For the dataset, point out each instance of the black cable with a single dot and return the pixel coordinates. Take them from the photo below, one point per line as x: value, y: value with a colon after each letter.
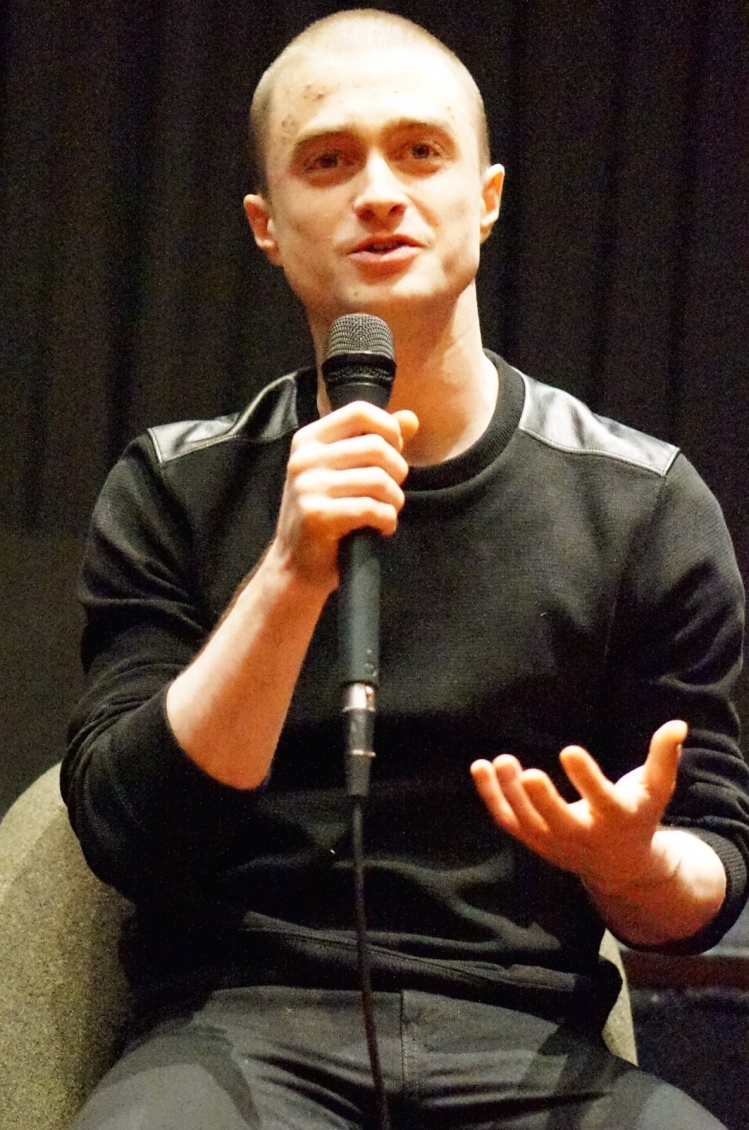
x: 365, y: 967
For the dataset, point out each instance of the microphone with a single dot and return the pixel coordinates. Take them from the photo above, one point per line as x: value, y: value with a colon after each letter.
x: 359, y: 365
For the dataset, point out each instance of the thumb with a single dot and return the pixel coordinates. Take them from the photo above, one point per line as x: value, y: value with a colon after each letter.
x: 408, y: 422
x: 662, y: 761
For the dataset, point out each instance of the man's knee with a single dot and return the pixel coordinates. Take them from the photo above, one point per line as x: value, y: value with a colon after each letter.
x: 642, y: 1102
x: 185, y: 1080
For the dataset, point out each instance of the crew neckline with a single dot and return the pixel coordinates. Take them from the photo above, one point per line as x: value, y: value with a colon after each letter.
x: 471, y: 462
x: 490, y: 444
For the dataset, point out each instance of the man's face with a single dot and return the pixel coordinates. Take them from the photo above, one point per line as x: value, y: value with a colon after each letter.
x: 376, y: 199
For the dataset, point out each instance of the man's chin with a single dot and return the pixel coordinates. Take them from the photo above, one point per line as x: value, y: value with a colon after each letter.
x: 394, y: 302
x: 405, y: 306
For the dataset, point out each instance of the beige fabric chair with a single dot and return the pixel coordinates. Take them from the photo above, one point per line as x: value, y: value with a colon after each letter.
x: 64, y: 1000
x: 619, y: 1032
x: 63, y: 997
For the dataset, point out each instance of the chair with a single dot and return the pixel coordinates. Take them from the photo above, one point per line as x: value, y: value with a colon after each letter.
x: 64, y: 999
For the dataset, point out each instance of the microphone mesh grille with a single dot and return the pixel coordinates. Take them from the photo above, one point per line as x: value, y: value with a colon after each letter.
x: 360, y: 333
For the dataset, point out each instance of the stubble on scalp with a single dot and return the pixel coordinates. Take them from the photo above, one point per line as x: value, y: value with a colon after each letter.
x: 351, y: 31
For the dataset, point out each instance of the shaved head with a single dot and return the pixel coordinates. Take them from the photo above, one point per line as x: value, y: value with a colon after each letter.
x: 351, y: 31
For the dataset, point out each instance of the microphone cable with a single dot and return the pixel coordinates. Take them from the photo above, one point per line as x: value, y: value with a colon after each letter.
x: 365, y: 965
x: 359, y: 716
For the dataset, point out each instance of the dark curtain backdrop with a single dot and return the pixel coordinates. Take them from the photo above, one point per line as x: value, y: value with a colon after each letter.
x: 132, y: 293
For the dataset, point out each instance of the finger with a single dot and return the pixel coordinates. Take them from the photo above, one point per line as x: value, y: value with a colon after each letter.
x: 487, y: 785
x: 662, y: 762
x: 587, y: 777
x: 550, y: 805
x: 333, y: 518
x: 356, y: 482
x: 369, y: 450
x: 511, y: 781
x: 357, y: 418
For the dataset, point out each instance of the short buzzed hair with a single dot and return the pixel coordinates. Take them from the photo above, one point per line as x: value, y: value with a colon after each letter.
x: 372, y: 28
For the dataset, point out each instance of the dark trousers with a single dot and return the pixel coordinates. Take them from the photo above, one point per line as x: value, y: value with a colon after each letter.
x: 273, y: 1058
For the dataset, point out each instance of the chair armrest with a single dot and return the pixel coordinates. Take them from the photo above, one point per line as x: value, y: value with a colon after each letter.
x: 619, y: 1031
x: 64, y: 1000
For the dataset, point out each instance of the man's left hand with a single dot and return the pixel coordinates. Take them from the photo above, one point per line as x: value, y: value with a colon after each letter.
x: 606, y: 837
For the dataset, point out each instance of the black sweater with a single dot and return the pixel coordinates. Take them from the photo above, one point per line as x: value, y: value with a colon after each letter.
x: 564, y: 580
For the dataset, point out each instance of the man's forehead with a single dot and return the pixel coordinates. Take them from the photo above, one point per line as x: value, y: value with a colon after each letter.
x: 334, y: 88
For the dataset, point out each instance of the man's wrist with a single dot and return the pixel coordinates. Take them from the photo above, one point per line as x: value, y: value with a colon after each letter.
x: 674, y: 897
x: 657, y: 868
x: 277, y: 582
x: 280, y: 572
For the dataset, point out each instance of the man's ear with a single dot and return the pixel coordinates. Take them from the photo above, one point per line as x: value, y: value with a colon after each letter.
x: 491, y: 198
x: 260, y: 219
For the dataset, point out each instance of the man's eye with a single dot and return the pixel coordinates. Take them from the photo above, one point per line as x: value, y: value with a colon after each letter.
x: 330, y: 159
x: 422, y: 150
x: 425, y: 156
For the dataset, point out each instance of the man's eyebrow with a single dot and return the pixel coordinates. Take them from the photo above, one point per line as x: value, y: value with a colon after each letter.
x: 344, y: 128
x: 438, y: 125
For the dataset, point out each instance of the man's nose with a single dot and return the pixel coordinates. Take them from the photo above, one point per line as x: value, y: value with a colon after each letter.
x: 381, y: 194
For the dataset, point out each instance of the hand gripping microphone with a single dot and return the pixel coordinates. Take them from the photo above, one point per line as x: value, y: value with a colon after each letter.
x: 359, y: 365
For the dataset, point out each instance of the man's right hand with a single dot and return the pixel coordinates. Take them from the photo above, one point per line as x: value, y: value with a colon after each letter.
x: 344, y: 473
x: 228, y: 707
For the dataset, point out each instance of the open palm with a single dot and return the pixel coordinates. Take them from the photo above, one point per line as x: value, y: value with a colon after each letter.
x: 606, y: 836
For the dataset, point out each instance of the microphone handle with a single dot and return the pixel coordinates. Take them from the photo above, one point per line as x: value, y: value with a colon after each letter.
x: 350, y: 377
x: 359, y: 607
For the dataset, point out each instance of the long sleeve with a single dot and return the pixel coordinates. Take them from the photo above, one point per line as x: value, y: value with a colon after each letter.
x: 142, y: 809
x: 676, y: 653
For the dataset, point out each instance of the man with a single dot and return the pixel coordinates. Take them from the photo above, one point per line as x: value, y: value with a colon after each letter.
x: 548, y: 577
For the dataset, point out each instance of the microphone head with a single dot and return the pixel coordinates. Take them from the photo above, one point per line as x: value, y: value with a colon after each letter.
x: 360, y: 333
x: 359, y: 361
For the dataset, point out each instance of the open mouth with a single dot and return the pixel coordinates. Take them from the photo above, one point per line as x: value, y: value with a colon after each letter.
x: 384, y: 246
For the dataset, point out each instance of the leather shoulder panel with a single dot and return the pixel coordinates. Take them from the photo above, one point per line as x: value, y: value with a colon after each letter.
x: 561, y: 421
x: 269, y: 416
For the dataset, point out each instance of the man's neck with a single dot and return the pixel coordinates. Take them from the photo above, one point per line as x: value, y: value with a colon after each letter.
x: 445, y: 377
